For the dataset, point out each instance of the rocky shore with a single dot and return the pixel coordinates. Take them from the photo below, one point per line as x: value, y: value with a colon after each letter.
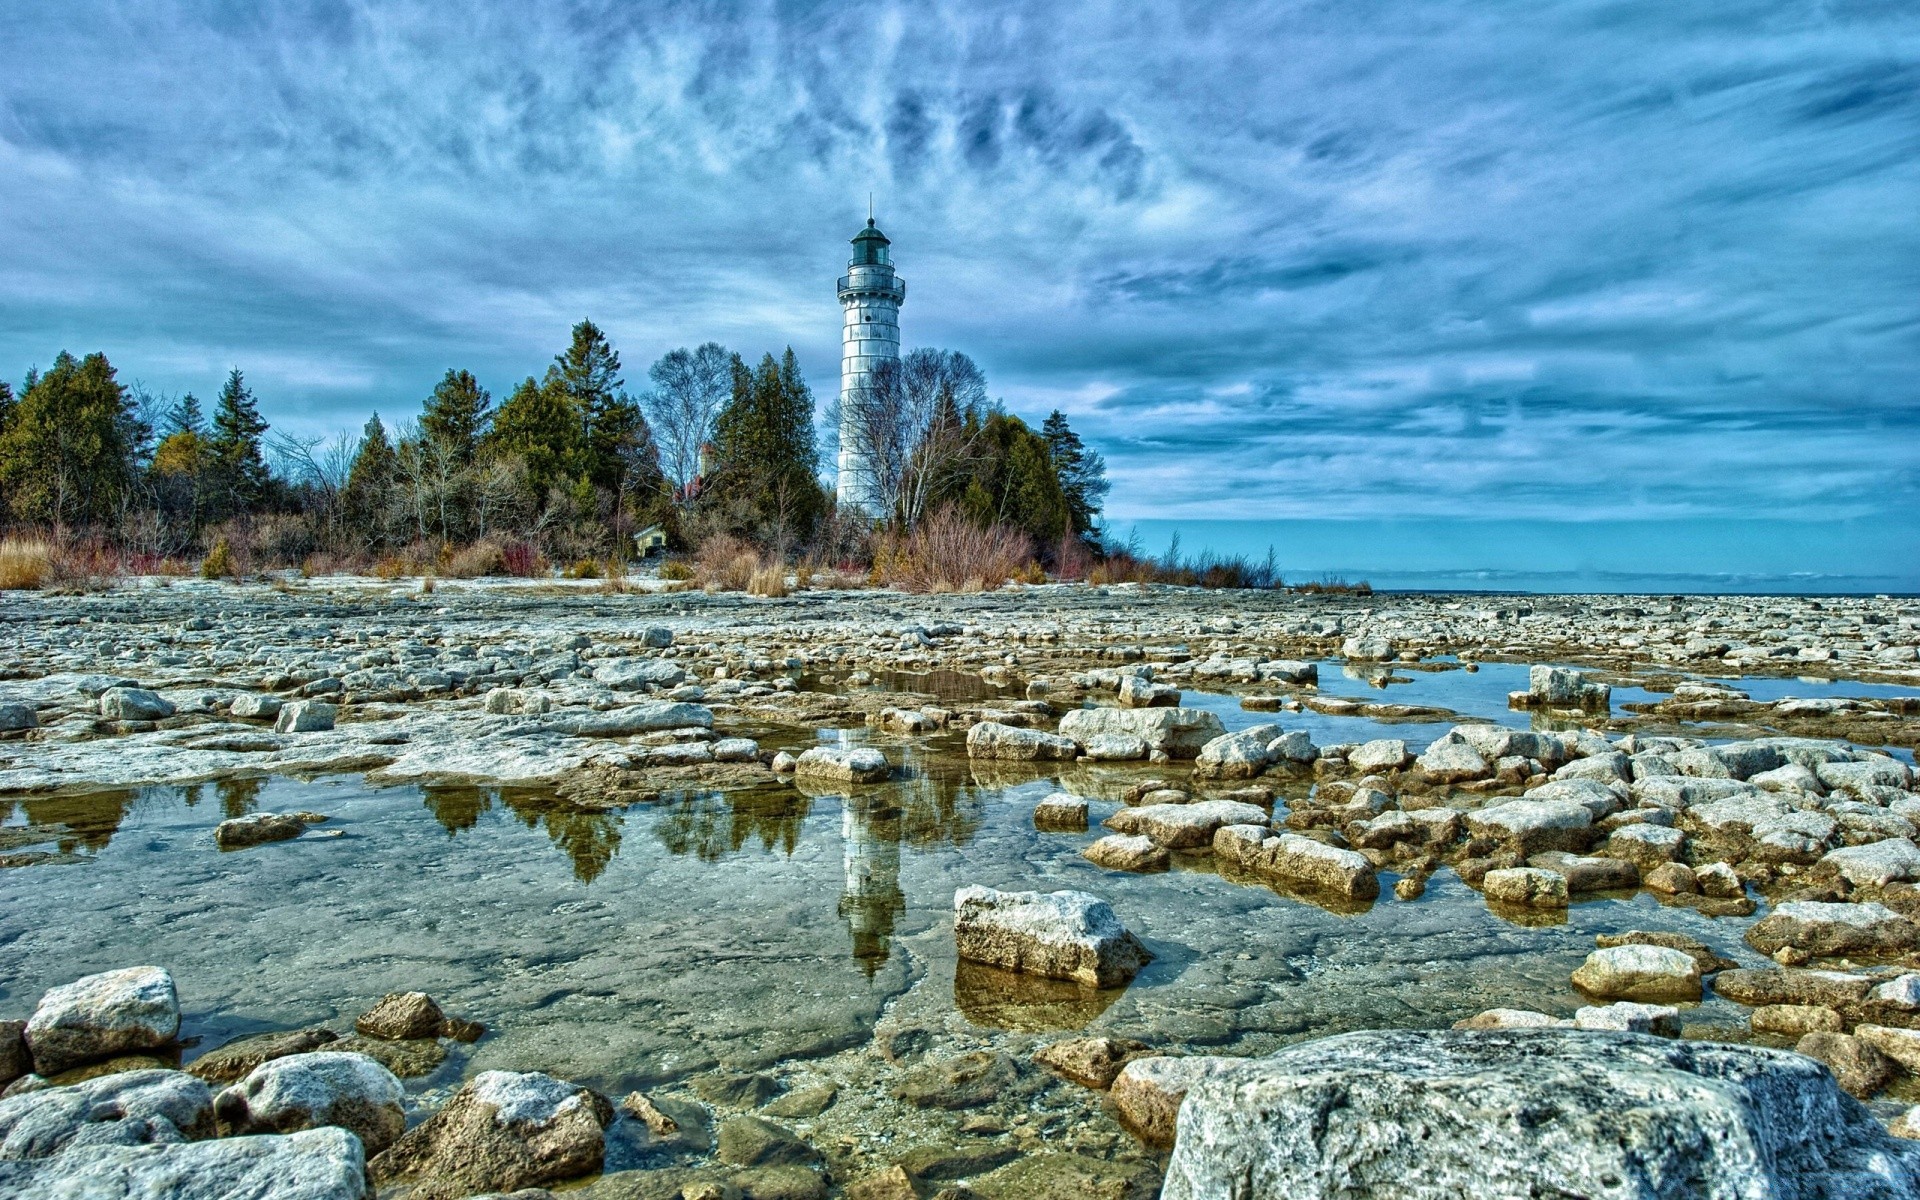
x: 1714, y: 793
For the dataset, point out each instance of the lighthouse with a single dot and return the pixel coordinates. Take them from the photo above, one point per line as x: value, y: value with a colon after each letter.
x: 870, y: 298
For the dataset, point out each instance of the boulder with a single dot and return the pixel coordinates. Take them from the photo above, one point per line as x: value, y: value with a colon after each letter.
x: 1526, y: 887
x: 735, y: 750
x: 1137, y: 691
x: 1381, y: 754
x: 134, y: 704
x: 133, y: 1108
x: 1061, y: 813
x: 1857, y: 1067
x: 1059, y: 935
x: 1559, y: 687
x: 1824, y: 929
x: 16, y: 717
x: 639, y: 674
x: 1900, y: 1045
x: 1184, y: 826
x: 1175, y: 732
x: 232, y: 1061
x: 1115, y: 747
x: 991, y: 739
x: 1585, y: 873
x: 1830, y: 989
x: 1369, y: 647
x: 1450, y: 761
x: 1121, y: 852
x: 1795, y: 1020
x: 306, y: 716
x: 656, y: 637
x: 1701, y: 953
x: 101, y: 1016
x: 257, y: 829
x: 1521, y: 1114
x: 517, y: 702
x: 1902, y: 993
x: 749, y: 1141
x: 1298, y: 862
x: 1646, y: 846
x: 1148, y: 1091
x: 402, y: 1016
x: 1531, y: 826
x: 1876, y: 864
x: 502, y: 1131
x: 843, y: 764
x: 15, y: 1061
x: 315, y: 1164
x: 306, y: 1091
x: 1237, y: 755
x: 1295, y: 747
x: 1090, y: 1062
x: 1639, y: 972
x: 1720, y: 881
x: 1628, y: 1017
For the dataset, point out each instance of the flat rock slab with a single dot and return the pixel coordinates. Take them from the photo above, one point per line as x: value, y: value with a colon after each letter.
x: 1519, y: 1114
x: 1059, y: 935
x: 315, y: 1164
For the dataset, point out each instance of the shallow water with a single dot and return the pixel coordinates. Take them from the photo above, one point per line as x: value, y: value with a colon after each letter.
x: 744, y: 929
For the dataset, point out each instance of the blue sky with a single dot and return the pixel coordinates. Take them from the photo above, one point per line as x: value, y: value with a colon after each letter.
x: 1457, y: 261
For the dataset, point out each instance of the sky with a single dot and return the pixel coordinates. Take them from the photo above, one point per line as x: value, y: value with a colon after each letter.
x: 1600, y: 268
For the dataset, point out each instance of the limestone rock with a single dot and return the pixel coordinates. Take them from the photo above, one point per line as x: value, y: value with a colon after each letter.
x: 1450, y: 761
x: 1139, y: 692
x: 401, y: 1016
x: 1639, y: 973
x: 843, y: 764
x: 1175, y: 732
x: 1701, y: 953
x: 315, y: 1164
x: 1090, y: 1062
x: 1900, y: 1045
x: 1876, y: 864
x: 15, y: 1061
x: 1237, y: 755
x: 1531, y: 826
x: 16, y: 717
x: 1184, y: 826
x: 255, y: 829
x: 102, y: 1015
x: 1299, y: 862
x: 1519, y: 1114
x: 1627, y: 1017
x: 639, y: 674
x: 502, y: 1131
x: 991, y: 739
x: 1857, y: 1067
x: 132, y: 1108
x: 1526, y: 887
x: 1795, y: 1020
x: 749, y: 1141
x: 1115, y: 747
x: 1824, y: 929
x: 1830, y: 989
x: 1719, y: 881
x: 1062, y: 935
x: 963, y: 1081
x: 1061, y: 813
x: 306, y: 716
x: 1902, y: 993
x: 134, y: 704
x: 1646, y: 846
x: 305, y: 1091
x: 1148, y: 1091
x: 1381, y: 754
x: 233, y: 1061
x: 1119, y: 852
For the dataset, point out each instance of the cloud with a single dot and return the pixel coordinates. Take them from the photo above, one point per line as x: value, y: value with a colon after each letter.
x: 1574, y: 259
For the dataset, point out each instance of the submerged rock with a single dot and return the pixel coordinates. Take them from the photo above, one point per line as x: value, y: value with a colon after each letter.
x: 1518, y: 1114
x: 315, y: 1164
x: 256, y: 829
x: 500, y: 1132
x: 1090, y: 1062
x: 102, y: 1015
x: 1061, y: 935
x: 1121, y: 852
x: 305, y: 1091
x: 232, y: 1061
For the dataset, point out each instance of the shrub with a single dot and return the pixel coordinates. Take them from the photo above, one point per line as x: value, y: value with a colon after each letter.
x: 522, y: 560
x: 26, y: 563
x: 219, y: 561
x: 472, y: 562
x: 585, y: 568
x: 803, y: 575
x: 392, y: 566
x: 768, y: 581
x: 675, y: 569
x: 1033, y: 572
x: 725, y: 563
x: 947, y: 552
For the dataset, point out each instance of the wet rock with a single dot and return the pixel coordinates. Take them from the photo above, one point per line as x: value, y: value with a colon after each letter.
x: 843, y: 764
x: 656, y: 637
x: 1533, y: 826
x: 1240, y: 755
x: 803, y: 1104
x: 1119, y: 852
x: 400, y: 1016
x: 965, y: 1081
x: 1647, y: 846
x: 1046, y: 1175
x: 16, y: 717
x: 1558, y: 687
x: 306, y: 716
x: 1639, y: 973
x: 15, y: 1061
x: 736, y: 1089
x: 1382, y: 754
x: 1794, y: 1020
x: 1755, y: 987
x: 1450, y: 761
x: 1824, y: 930
x: 1061, y: 813
x: 132, y: 1108
x: 1175, y: 732
x: 754, y: 1142
x: 1381, y: 1113
x: 993, y: 740
x: 134, y: 704
x: 315, y: 1164
x: 1139, y: 692
x: 1719, y: 881
x: 1184, y: 826
x: 500, y: 1132
x: 1857, y: 1067
x: 1701, y: 953
x: 643, y: 1110
x: 1062, y: 935
x: 1115, y: 747
x: 102, y: 1015
x: 233, y: 1061
x: 306, y: 1091
x: 1628, y: 1017
x: 1526, y: 887
x: 1298, y: 862
x: 411, y: 1058
x: 736, y: 750
x: 257, y: 829
x: 1672, y: 879
x: 1510, y: 1018
x: 1090, y: 1062
x: 1147, y: 1093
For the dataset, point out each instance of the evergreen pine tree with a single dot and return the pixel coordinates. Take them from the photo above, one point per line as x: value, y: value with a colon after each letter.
x: 1082, y: 473
x: 539, y: 425
x: 457, y: 415
x: 183, y: 416
x: 765, y: 443
x: 370, y: 480
x: 67, y: 448
x: 235, y: 445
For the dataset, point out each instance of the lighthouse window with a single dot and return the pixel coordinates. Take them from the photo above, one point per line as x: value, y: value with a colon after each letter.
x: 867, y: 317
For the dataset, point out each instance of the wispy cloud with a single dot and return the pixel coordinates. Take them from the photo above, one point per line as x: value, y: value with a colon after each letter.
x: 1573, y: 258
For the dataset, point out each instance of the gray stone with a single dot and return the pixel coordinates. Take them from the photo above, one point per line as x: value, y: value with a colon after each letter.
x: 315, y: 1164
x: 1115, y: 747
x: 1450, y: 761
x: 1521, y: 1114
x: 306, y: 716
x: 656, y: 637
x: 100, y: 1016
x: 991, y: 739
x: 1294, y: 747
x: 1175, y: 732
x: 1531, y: 826
x: 843, y: 764
x: 1060, y: 935
x: 1148, y: 1091
x: 1381, y: 754
x: 638, y: 674
x: 1639, y: 972
x: 133, y: 1108
x: 255, y: 704
x: 1120, y: 852
x: 134, y: 704
x: 230, y: 1063
x: 1824, y: 929
x: 15, y: 1061
x: 502, y: 1131
x: 1184, y: 826
x: 1526, y: 887
x: 257, y: 828
x: 1875, y: 864
x: 1061, y: 813
x: 1298, y: 862
x: 305, y: 1091
x: 1237, y: 755
x: 15, y: 717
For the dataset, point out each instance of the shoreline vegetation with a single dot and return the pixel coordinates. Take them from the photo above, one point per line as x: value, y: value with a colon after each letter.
x: 715, y: 466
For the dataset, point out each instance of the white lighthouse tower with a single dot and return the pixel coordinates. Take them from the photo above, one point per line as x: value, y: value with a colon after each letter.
x: 870, y: 295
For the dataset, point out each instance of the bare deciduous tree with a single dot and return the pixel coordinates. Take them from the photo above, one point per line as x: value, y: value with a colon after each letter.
x: 690, y: 387
x: 912, y: 425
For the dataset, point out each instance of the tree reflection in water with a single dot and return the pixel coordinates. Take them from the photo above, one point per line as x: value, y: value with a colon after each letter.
x: 712, y: 825
x: 590, y: 840
x: 238, y: 797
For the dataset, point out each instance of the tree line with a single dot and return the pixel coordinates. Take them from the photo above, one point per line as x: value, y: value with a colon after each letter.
x: 569, y: 462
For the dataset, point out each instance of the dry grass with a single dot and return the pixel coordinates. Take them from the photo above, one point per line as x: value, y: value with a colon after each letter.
x: 949, y: 553
x: 768, y: 581
x: 27, y: 563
